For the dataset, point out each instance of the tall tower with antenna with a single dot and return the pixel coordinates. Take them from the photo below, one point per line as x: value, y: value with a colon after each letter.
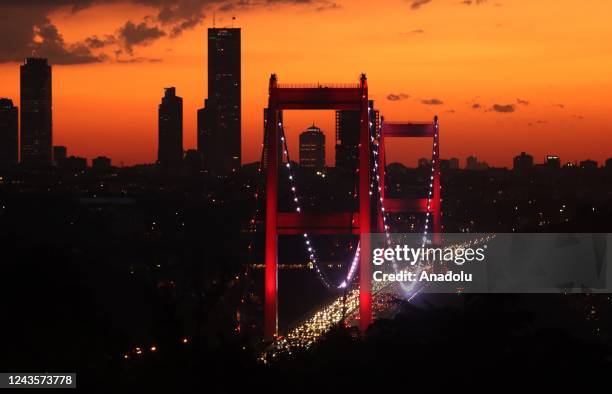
x: 219, y: 122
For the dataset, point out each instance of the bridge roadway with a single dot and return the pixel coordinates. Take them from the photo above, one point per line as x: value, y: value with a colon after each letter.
x: 343, y: 308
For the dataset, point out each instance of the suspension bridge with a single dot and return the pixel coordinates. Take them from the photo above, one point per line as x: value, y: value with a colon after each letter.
x: 359, y: 299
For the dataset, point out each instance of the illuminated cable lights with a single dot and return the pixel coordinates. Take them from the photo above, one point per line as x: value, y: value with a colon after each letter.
x: 306, y: 334
x: 307, y: 241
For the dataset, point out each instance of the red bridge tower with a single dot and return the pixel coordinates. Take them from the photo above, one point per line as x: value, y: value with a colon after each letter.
x: 315, y: 97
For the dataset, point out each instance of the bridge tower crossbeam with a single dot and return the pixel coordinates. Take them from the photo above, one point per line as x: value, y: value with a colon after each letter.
x: 430, y: 204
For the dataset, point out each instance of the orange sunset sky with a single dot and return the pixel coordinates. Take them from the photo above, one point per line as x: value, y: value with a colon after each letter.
x: 504, y: 76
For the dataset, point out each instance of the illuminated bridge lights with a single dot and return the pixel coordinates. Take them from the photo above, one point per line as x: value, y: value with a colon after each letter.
x: 371, y: 149
x: 313, y: 328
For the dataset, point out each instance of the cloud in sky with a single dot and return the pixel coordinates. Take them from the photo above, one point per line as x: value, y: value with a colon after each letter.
x: 503, y: 108
x: 433, y: 101
x: 28, y: 24
x: 96, y: 42
x: 48, y: 41
x: 522, y: 102
x: 537, y: 122
x: 473, y: 2
x: 132, y: 34
x: 416, y: 4
x: 397, y: 97
x: 327, y: 6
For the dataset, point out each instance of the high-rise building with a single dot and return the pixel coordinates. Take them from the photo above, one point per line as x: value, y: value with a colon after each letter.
x: 59, y: 154
x: 523, y: 162
x: 204, y: 128
x: 312, y: 148
x: 36, y: 112
x: 264, y: 144
x: 553, y: 162
x: 193, y: 160
x: 471, y: 163
x: 101, y: 163
x: 264, y: 156
x: 9, y: 133
x: 219, y: 129
x: 170, y: 128
x: 347, y: 137
x: 347, y: 140
x: 453, y: 163
x: 74, y: 163
x: 588, y: 164
x: 424, y: 162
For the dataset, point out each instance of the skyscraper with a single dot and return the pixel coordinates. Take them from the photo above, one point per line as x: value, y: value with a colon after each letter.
x: 59, y: 154
x: 204, y: 125
x: 219, y: 128
x: 588, y: 164
x: 312, y: 148
x: 170, y: 128
x: 193, y: 160
x: 101, y: 163
x: 553, y: 162
x: 347, y: 140
x: 347, y: 137
x: 264, y: 154
x: 523, y: 162
x: 9, y: 133
x: 471, y: 163
x: 264, y: 157
x: 424, y: 162
x: 36, y: 117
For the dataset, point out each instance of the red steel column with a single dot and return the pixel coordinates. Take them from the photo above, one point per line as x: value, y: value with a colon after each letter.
x: 437, y: 213
x: 365, y: 283
x: 271, y: 257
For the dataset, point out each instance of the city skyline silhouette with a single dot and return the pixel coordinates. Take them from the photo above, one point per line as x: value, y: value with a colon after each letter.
x: 484, y: 72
